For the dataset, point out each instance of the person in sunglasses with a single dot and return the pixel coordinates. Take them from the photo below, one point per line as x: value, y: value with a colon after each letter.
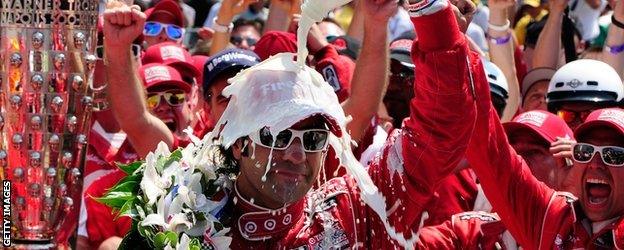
x: 536, y: 215
x: 582, y: 86
x: 245, y: 34
x: 168, y: 98
x: 165, y: 22
x: 280, y: 117
x: 531, y: 135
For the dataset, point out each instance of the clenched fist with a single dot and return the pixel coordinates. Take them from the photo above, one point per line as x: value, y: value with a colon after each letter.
x: 122, y: 25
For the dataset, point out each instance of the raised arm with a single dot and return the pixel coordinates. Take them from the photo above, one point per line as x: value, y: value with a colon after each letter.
x: 121, y: 26
x: 502, y: 53
x: 613, y: 54
x: 505, y: 178
x: 229, y: 9
x: 370, y: 77
x: 548, y: 46
x: 435, y: 136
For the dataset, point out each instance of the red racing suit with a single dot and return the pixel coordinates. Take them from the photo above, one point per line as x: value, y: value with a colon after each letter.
x: 536, y: 215
x: 412, y: 162
x: 468, y: 230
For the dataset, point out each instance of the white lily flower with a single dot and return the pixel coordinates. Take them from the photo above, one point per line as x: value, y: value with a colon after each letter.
x: 152, y: 184
x: 218, y: 240
x: 162, y: 150
x: 179, y: 223
x: 157, y: 219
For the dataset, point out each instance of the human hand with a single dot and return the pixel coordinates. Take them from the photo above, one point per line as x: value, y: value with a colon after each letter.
x: 205, y: 33
x: 122, y: 24
x: 288, y: 6
x: 562, y: 148
x: 379, y: 10
x: 231, y: 8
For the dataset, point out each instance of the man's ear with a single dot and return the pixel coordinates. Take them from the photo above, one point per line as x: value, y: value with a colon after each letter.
x: 239, y: 148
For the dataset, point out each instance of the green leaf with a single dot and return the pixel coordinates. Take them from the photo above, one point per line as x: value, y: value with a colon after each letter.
x: 172, y: 238
x: 140, y: 210
x: 129, y: 168
x: 160, y: 240
x: 115, y: 200
x: 128, y: 186
x: 129, y: 209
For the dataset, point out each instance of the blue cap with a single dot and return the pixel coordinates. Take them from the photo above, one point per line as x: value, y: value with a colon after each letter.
x: 226, y: 61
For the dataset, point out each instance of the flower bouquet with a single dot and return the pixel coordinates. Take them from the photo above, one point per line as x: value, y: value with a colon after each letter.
x: 177, y: 200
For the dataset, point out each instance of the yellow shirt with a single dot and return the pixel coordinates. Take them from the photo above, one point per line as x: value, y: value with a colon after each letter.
x: 344, y: 16
x: 521, y: 27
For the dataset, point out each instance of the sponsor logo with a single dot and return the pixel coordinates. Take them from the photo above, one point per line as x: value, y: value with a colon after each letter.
x: 329, y: 73
x: 172, y: 52
x: 534, y: 118
x: 575, y: 83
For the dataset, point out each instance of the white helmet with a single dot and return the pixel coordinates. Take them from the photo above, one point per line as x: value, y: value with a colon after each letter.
x: 587, y: 81
x: 496, y: 79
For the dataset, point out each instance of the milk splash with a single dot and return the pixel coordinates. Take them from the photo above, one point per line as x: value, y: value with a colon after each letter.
x: 312, y: 11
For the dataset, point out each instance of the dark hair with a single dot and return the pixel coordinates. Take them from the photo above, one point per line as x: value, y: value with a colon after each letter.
x: 256, y: 23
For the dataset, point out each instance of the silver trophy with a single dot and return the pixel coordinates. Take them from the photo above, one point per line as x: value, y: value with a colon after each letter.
x: 45, y: 104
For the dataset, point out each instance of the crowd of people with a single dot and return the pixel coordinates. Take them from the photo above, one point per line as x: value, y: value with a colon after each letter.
x: 492, y: 125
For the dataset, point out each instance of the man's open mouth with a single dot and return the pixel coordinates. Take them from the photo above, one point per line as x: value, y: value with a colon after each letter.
x: 598, y: 191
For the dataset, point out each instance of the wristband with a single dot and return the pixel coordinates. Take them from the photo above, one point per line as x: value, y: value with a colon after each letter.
x: 614, y: 50
x: 500, y: 40
x: 616, y: 22
x: 501, y: 28
x: 221, y: 28
x: 426, y: 7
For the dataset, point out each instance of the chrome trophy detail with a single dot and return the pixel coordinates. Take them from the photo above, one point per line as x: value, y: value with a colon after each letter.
x: 46, y: 92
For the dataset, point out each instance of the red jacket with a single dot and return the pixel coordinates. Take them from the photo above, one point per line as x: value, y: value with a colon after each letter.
x: 536, y: 215
x: 457, y: 193
x: 414, y: 160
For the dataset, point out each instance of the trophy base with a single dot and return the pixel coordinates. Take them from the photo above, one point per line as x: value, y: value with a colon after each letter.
x: 33, y: 245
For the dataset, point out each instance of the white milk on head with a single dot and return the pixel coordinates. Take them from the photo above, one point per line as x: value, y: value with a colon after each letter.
x: 280, y: 92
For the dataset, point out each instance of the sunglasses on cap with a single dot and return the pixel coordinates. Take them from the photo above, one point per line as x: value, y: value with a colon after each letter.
x: 173, y: 97
x: 99, y: 51
x: 174, y: 32
x: 569, y: 116
x: 611, y: 155
x: 238, y: 40
x: 313, y: 140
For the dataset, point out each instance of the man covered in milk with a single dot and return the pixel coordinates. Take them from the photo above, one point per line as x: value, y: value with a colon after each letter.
x: 282, y: 116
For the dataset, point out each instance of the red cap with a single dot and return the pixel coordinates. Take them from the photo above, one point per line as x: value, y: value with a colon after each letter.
x: 170, y: 7
x: 610, y: 117
x: 545, y: 124
x: 171, y: 54
x: 199, y: 61
x: 337, y: 71
x: 275, y: 42
x: 155, y: 74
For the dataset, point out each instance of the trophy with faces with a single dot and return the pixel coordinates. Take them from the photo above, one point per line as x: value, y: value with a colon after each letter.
x: 47, y: 54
